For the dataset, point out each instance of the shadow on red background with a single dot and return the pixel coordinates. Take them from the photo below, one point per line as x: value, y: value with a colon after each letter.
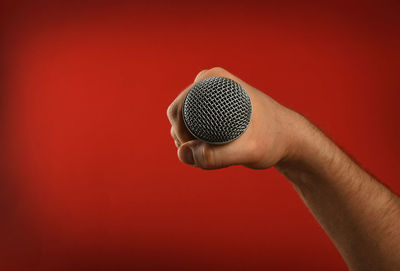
x: 89, y: 175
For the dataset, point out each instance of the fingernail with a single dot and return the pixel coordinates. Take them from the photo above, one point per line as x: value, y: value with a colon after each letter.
x: 187, y: 156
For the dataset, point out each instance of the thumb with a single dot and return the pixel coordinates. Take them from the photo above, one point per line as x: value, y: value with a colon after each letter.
x: 206, y: 156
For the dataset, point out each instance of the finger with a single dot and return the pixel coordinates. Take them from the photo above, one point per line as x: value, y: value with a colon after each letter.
x: 206, y: 156
x: 173, y: 135
x: 218, y: 71
x: 199, y: 76
x: 174, y: 112
x: 175, y: 117
x: 203, y: 155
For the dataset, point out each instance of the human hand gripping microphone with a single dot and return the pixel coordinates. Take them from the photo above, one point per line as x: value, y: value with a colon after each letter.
x: 220, y: 120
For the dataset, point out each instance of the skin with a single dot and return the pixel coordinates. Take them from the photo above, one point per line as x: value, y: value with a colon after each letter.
x: 360, y: 214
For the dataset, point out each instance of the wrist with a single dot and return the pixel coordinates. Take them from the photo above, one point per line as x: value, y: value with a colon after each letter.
x: 308, y: 151
x: 297, y: 132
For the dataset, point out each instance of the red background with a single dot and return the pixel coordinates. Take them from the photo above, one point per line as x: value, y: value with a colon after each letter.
x: 89, y: 178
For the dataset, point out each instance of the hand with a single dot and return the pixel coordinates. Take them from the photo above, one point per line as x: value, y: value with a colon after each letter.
x: 265, y: 142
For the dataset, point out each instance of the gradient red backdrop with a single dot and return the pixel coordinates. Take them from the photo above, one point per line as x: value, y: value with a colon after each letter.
x: 89, y: 178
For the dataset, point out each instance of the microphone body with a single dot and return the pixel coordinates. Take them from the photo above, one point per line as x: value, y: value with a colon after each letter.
x: 217, y: 110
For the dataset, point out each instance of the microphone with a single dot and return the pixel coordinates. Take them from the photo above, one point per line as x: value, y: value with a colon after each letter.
x: 217, y: 110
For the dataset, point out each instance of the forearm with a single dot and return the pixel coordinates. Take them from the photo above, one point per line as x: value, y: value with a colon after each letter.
x: 361, y: 215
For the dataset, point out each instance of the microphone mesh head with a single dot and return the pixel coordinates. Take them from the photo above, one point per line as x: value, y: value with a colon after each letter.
x: 217, y: 110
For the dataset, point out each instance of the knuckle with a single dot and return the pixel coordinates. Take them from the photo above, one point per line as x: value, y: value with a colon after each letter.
x: 175, y: 137
x: 254, y: 151
x: 217, y: 71
x: 207, y: 157
x: 173, y: 111
x: 201, y: 73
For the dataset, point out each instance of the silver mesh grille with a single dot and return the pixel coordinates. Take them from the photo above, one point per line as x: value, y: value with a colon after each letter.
x: 217, y: 110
